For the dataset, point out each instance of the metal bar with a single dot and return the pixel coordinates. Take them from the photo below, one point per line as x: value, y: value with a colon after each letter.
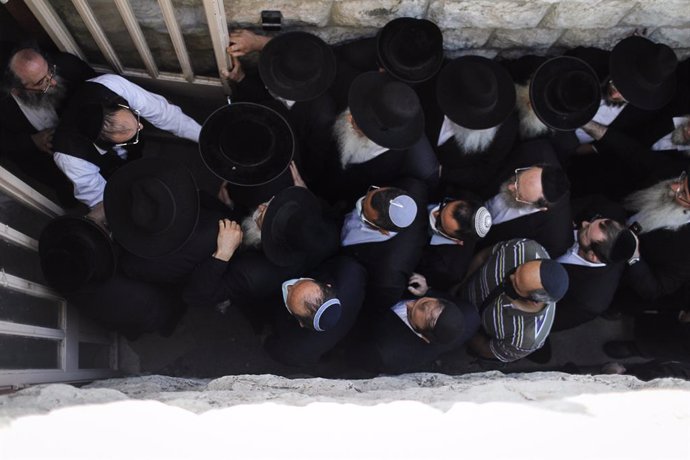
x: 177, y: 39
x: 37, y: 332
x: 22, y: 192
x: 18, y: 284
x: 97, y: 33
x: 218, y: 30
x: 22, y: 377
x: 70, y: 346
x: 137, y: 35
x: 54, y: 27
x: 10, y: 235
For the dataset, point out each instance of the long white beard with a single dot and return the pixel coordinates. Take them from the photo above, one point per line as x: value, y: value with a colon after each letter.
x: 678, y: 135
x: 530, y: 125
x: 508, y: 197
x: 473, y: 141
x: 251, y: 237
x: 354, y: 147
x: 53, y: 98
x: 656, y: 208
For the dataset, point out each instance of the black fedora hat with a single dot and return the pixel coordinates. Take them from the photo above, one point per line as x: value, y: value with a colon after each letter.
x: 565, y: 93
x: 75, y: 251
x: 246, y: 144
x: 410, y: 49
x: 475, y: 92
x: 387, y: 111
x: 293, y: 228
x: 152, y: 206
x: 644, y: 72
x: 297, y: 66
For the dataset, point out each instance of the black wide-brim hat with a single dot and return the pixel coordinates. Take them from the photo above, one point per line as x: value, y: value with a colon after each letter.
x: 297, y: 66
x: 75, y: 251
x: 292, y: 226
x: 644, y: 72
x: 152, y: 206
x: 410, y: 49
x: 565, y: 93
x: 387, y: 111
x: 246, y: 144
x: 475, y: 92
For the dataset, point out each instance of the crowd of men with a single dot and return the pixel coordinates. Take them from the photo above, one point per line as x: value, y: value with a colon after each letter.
x: 377, y: 196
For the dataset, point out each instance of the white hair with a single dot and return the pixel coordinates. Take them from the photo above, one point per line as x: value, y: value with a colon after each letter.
x: 473, y: 140
x: 656, y: 207
x: 251, y: 233
x: 354, y: 147
x: 530, y: 125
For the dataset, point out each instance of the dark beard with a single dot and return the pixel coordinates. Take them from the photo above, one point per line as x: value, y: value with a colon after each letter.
x: 36, y: 99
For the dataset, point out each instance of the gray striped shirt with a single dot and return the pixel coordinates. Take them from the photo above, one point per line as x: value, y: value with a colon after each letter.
x: 514, y: 333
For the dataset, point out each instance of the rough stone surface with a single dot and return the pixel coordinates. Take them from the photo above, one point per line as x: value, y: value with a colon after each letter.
x: 672, y: 36
x: 586, y: 14
x: 530, y: 38
x: 375, y: 13
x: 600, y: 38
x: 673, y: 13
x: 507, y: 14
x: 460, y: 39
x: 335, y: 35
x: 295, y: 12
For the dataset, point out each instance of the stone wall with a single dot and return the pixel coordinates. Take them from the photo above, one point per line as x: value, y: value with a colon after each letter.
x: 488, y: 27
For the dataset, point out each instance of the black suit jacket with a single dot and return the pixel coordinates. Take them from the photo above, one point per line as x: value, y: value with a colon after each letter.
x: 297, y: 346
x: 445, y: 265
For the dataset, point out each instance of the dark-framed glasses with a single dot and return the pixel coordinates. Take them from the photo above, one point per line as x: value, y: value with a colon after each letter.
x: 135, y: 140
x: 44, y: 84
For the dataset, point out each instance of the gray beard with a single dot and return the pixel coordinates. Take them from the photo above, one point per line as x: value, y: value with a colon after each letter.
x: 530, y: 125
x: 354, y: 148
x: 472, y: 141
x: 656, y: 208
x: 36, y: 100
x: 678, y: 135
x: 251, y: 233
x: 508, y: 197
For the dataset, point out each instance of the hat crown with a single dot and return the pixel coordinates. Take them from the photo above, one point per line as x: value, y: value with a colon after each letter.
x: 247, y: 142
x: 396, y: 104
x: 571, y: 92
x: 478, y: 86
x: 152, y: 206
x: 300, y: 63
x: 656, y: 66
x: 410, y: 49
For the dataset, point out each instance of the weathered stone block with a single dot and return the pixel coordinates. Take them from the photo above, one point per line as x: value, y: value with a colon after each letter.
x: 515, y: 53
x: 375, y: 13
x: 600, y: 38
x: 674, y: 37
x: 674, y: 13
x: 505, y: 14
x: 585, y: 14
x: 484, y: 52
x: 295, y: 12
x: 467, y: 38
x: 521, y: 38
x: 335, y: 35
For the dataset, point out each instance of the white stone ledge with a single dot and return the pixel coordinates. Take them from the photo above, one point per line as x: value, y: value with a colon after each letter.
x: 673, y: 13
x: 375, y: 13
x: 505, y: 14
x: 521, y: 38
x: 587, y: 14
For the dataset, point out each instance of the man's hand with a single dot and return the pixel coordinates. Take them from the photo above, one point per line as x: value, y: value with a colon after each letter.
x: 236, y: 74
x: 44, y: 140
x: 243, y: 42
x: 417, y: 285
x: 229, y: 239
x: 296, y: 177
x: 97, y: 214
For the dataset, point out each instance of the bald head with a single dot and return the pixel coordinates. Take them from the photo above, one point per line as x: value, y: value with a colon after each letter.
x: 27, y: 66
x: 32, y: 79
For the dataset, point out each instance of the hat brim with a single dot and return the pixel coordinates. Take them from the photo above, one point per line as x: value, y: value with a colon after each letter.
x: 404, y: 73
x: 50, y: 239
x: 291, y: 88
x: 363, y: 88
x: 623, y: 70
x: 240, y: 166
x: 544, y: 74
x: 457, y: 108
x: 118, y: 202
x: 276, y: 252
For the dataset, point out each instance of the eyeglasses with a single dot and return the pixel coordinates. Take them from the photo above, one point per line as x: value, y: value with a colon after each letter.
x: 135, y: 112
x: 681, y: 192
x: 44, y: 84
x: 438, y: 225
x: 517, y: 190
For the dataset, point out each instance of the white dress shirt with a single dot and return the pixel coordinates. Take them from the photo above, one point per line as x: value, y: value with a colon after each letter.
x: 501, y: 212
x: 572, y: 257
x: 88, y: 182
x: 400, y: 309
x: 357, y: 232
x: 604, y: 116
x: 40, y: 117
x: 665, y: 143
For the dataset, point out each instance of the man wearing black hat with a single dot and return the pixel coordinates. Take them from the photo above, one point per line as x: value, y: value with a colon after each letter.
x: 100, y: 130
x: 316, y: 312
x: 515, y: 289
x: 379, y: 138
x: 531, y: 200
x: 386, y: 233
x: 455, y: 226
x: 471, y: 121
x: 37, y: 86
x: 655, y: 276
x: 595, y: 262
x: 414, y: 332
